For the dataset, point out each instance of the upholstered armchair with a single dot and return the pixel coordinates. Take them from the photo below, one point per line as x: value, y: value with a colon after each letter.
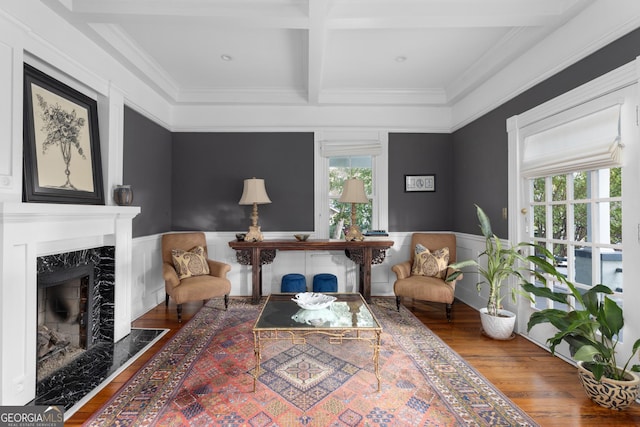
x: 425, y: 278
x: 188, y: 274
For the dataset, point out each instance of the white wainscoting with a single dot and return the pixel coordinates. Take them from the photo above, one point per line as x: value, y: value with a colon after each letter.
x: 469, y: 247
x: 148, y: 285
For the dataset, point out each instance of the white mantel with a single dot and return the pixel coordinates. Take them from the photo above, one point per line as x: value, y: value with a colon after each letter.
x: 30, y: 230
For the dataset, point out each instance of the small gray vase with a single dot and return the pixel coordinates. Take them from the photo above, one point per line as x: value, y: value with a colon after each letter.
x: 123, y: 195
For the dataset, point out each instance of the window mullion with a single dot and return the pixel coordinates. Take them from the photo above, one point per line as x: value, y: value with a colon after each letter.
x: 549, y: 224
x: 549, y: 212
x: 571, y: 227
x: 596, y: 271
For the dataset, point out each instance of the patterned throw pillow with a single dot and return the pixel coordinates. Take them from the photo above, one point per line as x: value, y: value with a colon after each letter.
x: 190, y: 263
x: 427, y: 263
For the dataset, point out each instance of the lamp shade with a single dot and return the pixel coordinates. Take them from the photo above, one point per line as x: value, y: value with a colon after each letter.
x: 254, y: 192
x: 353, y: 192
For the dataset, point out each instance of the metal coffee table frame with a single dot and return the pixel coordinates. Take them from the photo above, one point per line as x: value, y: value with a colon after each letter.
x: 275, y: 323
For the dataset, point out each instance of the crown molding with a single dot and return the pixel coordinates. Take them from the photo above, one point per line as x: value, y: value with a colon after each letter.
x: 552, y: 55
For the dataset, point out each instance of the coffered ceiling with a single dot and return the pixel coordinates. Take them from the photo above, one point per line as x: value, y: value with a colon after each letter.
x: 316, y: 52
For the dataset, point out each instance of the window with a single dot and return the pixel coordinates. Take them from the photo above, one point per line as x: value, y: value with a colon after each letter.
x: 571, y: 160
x: 578, y: 217
x: 342, y: 155
x: 340, y: 169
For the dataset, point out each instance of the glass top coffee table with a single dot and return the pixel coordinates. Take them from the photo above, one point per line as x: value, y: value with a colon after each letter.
x: 347, y: 318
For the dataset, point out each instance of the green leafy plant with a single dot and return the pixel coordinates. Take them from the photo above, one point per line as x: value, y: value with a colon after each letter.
x: 591, y: 331
x: 503, y: 263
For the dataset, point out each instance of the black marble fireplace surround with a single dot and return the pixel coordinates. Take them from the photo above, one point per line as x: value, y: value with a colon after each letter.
x: 70, y: 384
x: 84, y: 374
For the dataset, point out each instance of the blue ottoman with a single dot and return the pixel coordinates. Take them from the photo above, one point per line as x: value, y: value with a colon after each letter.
x: 325, y: 282
x: 293, y: 283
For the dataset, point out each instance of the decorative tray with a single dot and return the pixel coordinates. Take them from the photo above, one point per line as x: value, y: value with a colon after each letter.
x: 313, y: 300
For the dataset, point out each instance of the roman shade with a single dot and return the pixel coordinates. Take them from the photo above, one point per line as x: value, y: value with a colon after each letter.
x: 336, y: 148
x: 557, y: 145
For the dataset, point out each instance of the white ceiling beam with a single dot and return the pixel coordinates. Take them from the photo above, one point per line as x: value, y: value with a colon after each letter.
x: 448, y: 13
x: 318, y: 10
x: 208, y: 96
x: 449, y: 21
x: 218, y: 22
x: 250, y: 13
x: 433, y: 97
x: 192, y: 8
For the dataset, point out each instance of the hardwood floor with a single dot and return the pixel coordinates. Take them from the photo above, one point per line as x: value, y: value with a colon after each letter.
x: 544, y: 386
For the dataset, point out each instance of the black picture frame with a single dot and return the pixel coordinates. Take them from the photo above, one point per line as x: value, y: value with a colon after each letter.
x: 419, y: 183
x: 61, y: 145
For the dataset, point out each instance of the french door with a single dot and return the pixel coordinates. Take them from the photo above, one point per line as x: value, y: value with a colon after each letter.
x: 574, y: 175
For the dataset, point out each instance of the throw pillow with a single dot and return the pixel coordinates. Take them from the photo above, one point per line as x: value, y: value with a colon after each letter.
x: 190, y: 263
x: 427, y: 263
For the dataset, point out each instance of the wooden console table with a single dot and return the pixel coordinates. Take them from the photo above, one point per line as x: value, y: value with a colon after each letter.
x: 364, y: 253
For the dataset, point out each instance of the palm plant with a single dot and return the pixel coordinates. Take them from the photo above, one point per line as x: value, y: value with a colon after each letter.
x: 503, y: 263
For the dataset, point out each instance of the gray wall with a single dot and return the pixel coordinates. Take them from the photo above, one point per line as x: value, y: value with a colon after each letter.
x: 210, y: 168
x: 147, y: 167
x: 420, y: 154
x: 480, y: 149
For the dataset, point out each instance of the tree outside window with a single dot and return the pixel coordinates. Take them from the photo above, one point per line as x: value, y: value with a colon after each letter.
x: 340, y: 169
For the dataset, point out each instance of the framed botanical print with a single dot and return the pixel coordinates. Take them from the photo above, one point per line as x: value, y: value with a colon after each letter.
x: 62, y: 161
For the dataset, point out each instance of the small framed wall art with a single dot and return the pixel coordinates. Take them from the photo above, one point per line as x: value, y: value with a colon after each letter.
x: 62, y: 161
x: 414, y: 183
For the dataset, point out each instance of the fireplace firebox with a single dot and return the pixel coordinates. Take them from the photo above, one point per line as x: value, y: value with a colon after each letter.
x: 75, y: 309
x: 65, y: 307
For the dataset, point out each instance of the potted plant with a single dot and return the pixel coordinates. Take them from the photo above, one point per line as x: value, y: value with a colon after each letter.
x: 592, y: 330
x: 501, y: 264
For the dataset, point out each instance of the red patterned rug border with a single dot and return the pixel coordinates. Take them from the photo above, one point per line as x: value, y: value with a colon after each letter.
x: 207, y: 315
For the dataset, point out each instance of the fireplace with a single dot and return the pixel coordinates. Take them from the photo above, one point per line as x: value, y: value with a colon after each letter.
x: 75, y: 306
x: 42, y: 238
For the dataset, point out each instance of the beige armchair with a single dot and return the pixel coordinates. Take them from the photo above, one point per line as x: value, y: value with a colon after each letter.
x: 423, y: 287
x: 201, y: 285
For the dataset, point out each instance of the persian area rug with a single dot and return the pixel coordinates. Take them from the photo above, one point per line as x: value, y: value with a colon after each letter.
x: 204, y: 377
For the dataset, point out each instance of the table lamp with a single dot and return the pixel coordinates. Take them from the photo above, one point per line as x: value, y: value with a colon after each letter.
x: 254, y: 194
x: 353, y: 192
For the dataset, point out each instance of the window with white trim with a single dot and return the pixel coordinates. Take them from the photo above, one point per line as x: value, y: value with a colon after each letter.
x: 342, y: 168
x: 572, y: 163
x: 573, y: 185
x: 342, y: 155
